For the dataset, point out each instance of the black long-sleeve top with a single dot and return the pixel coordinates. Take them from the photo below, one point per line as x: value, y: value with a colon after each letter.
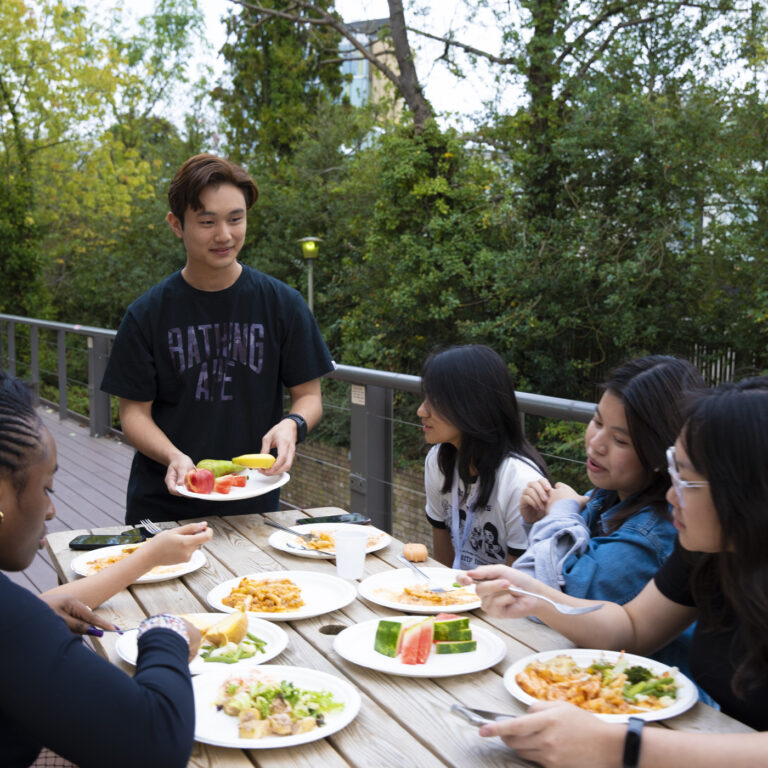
x: 57, y: 693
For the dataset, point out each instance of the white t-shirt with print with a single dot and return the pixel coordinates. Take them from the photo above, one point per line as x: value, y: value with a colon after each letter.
x: 495, y: 529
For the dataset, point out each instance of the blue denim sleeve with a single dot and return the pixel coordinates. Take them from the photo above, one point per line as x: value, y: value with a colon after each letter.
x: 618, y: 565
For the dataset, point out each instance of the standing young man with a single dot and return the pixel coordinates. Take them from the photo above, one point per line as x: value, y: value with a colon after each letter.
x: 200, y: 360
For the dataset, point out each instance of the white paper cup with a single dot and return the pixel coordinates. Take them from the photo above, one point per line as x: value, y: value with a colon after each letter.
x: 350, y: 544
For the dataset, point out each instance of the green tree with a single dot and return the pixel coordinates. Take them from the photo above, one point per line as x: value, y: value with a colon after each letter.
x: 280, y: 75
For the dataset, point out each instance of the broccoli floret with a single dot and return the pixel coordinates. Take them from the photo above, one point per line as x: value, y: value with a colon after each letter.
x: 638, y: 675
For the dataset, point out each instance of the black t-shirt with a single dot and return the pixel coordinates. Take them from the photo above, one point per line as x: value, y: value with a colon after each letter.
x: 57, y: 693
x: 713, y: 655
x: 214, y: 365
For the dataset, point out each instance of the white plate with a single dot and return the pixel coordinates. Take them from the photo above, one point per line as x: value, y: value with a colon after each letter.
x: 159, y: 573
x: 687, y: 693
x: 274, y: 637
x: 321, y: 593
x: 356, y: 644
x: 375, y: 589
x: 256, y: 484
x: 291, y: 544
x: 214, y: 727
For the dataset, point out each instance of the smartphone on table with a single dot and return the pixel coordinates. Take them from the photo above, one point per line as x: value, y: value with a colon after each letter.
x: 88, y: 541
x: 347, y: 517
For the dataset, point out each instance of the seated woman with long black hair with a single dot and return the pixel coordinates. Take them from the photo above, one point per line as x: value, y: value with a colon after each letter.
x: 717, y: 575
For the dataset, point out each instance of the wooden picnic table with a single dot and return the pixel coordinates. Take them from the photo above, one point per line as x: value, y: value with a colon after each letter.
x: 403, y: 721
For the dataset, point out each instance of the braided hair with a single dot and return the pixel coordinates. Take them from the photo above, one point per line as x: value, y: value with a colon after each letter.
x: 20, y: 435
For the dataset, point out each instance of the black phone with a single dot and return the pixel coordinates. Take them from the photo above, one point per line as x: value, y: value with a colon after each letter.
x: 348, y: 517
x: 96, y: 541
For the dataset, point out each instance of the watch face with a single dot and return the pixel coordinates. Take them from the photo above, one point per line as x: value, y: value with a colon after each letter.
x: 301, y: 426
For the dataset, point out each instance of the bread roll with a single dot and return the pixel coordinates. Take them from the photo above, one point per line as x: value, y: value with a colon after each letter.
x: 416, y: 553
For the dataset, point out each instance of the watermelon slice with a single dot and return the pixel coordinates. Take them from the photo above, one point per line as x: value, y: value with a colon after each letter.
x: 388, y: 635
x: 425, y: 640
x: 452, y: 629
x: 409, y: 644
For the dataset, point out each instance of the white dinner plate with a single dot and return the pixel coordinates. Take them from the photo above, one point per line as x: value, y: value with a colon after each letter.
x: 293, y: 545
x: 80, y: 564
x: 256, y: 484
x: 687, y: 693
x: 321, y: 593
x: 214, y: 727
x: 355, y: 644
x: 382, y: 589
x: 273, y: 635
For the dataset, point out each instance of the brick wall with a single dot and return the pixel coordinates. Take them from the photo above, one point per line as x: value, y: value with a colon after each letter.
x: 320, y: 478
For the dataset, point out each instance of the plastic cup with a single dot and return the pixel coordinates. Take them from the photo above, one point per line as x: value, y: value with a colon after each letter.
x: 351, y: 544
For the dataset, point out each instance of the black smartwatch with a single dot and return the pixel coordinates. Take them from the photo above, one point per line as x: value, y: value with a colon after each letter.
x: 301, y: 426
x: 632, y: 740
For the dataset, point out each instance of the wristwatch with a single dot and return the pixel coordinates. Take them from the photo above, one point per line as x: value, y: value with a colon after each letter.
x: 301, y: 426
x: 631, y: 757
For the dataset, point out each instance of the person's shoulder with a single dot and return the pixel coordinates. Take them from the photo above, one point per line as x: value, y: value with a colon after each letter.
x: 432, y: 455
x: 430, y: 462
x: 519, y: 467
x: 18, y: 603
x: 158, y: 293
x: 252, y: 277
x: 652, y: 525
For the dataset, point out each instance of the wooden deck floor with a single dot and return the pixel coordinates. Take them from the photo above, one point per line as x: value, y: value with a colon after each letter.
x: 89, y: 489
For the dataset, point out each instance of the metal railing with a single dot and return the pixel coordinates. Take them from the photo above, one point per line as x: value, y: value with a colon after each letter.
x: 371, y: 406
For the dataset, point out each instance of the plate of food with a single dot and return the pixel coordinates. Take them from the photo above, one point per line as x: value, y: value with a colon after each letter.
x: 283, y: 595
x: 265, y: 707
x: 434, y: 646
x: 256, y: 484
x: 323, y: 545
x: 612, y: 685
x: 97, y: 559
x: 234, y: 639
x: 402, y: 590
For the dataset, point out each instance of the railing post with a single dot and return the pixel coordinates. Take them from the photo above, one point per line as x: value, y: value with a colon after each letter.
x: 11, y: 368
x: 370, y: 479
x: 99, y: 417
x: 34, y: 364
x: 61, y: 366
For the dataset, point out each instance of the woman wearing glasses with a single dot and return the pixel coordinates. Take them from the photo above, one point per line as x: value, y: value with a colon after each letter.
x: 716, y: 575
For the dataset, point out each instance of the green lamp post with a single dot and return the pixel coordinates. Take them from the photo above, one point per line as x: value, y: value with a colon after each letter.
x: 309, y: 250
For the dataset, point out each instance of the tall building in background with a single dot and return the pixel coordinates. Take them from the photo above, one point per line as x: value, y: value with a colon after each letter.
x: 368, y: 85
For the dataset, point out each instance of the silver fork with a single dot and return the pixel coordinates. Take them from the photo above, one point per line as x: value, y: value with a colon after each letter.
x: 561, y: 607
x: 150, y: 526
x: 431, y: 585
x: 304, y: 536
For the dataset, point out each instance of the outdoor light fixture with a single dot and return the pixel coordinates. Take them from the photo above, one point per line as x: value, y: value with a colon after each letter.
x: 309, y: 250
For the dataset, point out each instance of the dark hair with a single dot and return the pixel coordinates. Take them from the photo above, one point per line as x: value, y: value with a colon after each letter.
x: 203, y: 171
x: 726, y: 438
x: 471, y: 387
x: 20, y: 435
x: 652, y: 390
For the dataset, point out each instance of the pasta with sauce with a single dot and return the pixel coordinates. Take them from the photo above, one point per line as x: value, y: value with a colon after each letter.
x: 265, y: 596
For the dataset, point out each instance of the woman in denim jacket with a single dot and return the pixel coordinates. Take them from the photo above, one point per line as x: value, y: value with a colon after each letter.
x: 608, y: 544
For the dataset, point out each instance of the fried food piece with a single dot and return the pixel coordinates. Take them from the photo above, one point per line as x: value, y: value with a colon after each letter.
x: 250, y: 725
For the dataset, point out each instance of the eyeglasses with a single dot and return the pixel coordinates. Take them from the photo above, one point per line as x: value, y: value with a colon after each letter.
x: 678, y: 484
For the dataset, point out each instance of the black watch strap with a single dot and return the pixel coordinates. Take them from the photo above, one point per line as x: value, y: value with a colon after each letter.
x: 632, y: 741
x: 301, y: 426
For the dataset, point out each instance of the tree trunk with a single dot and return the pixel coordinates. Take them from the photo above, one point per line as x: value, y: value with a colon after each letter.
x: 409, y: 82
